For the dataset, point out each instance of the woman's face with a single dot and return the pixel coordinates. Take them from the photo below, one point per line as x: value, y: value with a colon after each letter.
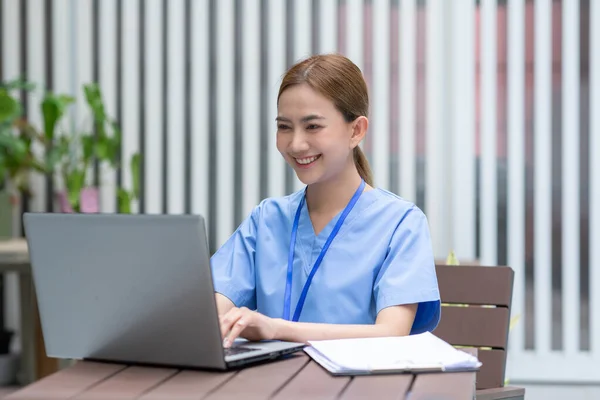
x: 312, y: 135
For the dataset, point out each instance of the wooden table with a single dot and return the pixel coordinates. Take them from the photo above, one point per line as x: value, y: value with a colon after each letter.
x: 296, y: 377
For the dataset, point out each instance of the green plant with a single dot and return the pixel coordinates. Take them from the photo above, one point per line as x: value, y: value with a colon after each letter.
x: 17, y: 158
x: 72, y: 153
x: 66, y: 153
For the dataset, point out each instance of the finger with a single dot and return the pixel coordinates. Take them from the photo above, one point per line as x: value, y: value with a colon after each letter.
x: 228, y: 320
x: 236, y: 329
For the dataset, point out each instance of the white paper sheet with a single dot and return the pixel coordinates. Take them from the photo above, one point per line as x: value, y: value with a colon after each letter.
x: 408, y: 353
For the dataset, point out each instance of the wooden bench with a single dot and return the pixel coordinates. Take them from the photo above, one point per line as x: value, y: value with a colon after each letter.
x: 476, y: 314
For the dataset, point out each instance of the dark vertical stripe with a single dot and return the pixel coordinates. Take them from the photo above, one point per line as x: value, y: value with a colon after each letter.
x: 212, y: 125
x: 290, y: 24
x: 119, y: 89
x: 24, y: 73
x: 557, y: 226
x: 502, y: 168
x: 49, y: 45
x: 25, y: 100
x: 165, y: 88
x: 96, y: 68
x: 238, y: 108
x: 584, y: 171
x: 188, y: 108
x: 264, y: 90
x: 316, y: 33
x: 528, y: 199
x: 142, y: 104
x: 289, y: 60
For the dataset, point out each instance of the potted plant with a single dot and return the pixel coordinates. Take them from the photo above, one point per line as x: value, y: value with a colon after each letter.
x: 72, y: 154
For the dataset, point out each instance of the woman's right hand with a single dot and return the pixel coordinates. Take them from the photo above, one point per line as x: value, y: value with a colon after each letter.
x: 248, y: 324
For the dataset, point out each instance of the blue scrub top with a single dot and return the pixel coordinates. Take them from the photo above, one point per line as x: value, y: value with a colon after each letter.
x: 381, y: 257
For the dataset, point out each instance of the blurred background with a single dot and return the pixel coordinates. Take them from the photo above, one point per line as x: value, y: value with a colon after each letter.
x: 485, y: 113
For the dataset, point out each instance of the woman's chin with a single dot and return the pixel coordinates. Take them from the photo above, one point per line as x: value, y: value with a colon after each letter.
x: 308, y: 177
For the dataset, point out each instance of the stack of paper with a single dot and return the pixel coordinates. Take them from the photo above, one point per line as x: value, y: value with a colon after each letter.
x: 422, y: 352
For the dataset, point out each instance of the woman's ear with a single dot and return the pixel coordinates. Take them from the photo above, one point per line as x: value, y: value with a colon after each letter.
x: 359, y: 130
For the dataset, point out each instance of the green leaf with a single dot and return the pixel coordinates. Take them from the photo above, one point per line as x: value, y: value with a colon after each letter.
x: 18, y: 83
x: 14, y: 146
x: 54, y: 156
x: 74, y: 181
x: 53, y: 108
x: 113, y: 147
x: 102, y: 150
x: 65, y: 100
x: 93, y: 96
x: 88, y: 147
x: 135, y: 165
x: 124, y: 199
x: 9, y: 107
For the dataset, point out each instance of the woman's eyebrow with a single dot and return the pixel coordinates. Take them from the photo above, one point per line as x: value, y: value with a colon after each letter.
x: 311, y: 117
x: 304, y: 119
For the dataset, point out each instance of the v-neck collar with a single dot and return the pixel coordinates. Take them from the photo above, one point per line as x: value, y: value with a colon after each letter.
x: 309, y: 243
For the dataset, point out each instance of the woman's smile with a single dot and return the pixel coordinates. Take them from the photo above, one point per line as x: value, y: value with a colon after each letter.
x: 306, y: 162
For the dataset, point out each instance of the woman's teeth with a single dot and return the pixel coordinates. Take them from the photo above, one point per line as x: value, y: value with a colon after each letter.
x: 305, y: 161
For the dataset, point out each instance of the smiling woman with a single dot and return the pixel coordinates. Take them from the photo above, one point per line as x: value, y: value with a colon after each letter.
x: 334, y: 85
x: 339, y: 258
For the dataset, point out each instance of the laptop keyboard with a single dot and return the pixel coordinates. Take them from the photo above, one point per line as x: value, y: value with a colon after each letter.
x: 232, y: 351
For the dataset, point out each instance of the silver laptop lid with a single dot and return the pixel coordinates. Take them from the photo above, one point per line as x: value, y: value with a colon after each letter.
x: 131, y: 288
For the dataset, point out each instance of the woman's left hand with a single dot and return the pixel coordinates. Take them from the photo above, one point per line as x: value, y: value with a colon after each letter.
x: 250, y: 325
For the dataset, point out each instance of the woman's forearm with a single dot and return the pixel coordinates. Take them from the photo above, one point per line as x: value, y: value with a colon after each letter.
x: 391, y: 321
x: 303, y: 331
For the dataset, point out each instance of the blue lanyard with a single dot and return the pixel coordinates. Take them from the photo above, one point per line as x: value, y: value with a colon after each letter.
x: 332, y: 235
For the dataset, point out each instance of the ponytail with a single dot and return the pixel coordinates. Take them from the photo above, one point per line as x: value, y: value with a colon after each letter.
x: 362, y: 165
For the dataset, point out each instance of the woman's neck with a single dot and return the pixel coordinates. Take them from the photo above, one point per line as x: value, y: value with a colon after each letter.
x: 333, y: 195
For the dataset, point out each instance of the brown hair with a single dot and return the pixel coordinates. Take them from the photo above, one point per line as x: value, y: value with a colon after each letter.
x: 341, y: 81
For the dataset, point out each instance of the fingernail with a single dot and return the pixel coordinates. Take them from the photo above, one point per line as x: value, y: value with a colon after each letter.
x: 226, y: 343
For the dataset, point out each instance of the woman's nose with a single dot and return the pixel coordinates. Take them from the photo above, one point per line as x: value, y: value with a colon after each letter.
x: 298, y: 143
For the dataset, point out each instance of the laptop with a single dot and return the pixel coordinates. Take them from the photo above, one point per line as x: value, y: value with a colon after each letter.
x: 133, y: 289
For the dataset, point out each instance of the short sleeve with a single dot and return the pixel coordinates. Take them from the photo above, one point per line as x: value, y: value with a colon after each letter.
x: 233, y: 264
x: 408, y: 275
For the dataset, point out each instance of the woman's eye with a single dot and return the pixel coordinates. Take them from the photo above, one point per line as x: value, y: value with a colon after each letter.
x: 312, y: 127
x: 282, y: 127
